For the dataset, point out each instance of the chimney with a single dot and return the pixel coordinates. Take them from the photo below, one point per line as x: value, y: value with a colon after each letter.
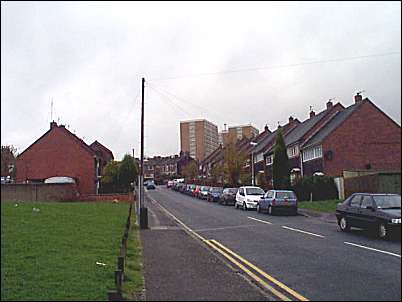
x: 312, y: 113
x: 291, y: 119
x: 329, y: 104
x: 224, y: 127
x: 358, y: 98
x: 266, y: 128
x: 53, y: 125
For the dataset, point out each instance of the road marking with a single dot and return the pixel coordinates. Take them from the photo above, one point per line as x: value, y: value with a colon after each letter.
x: 225, y: 252
x: 270, y: 278
x: 263, y: 221
x: 248, y: 272
x: 304, y: 232
x: 372, y: 249
x: 225, y: 228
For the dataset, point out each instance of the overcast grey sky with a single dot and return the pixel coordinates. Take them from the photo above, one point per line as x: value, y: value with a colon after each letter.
x: 90, y: 57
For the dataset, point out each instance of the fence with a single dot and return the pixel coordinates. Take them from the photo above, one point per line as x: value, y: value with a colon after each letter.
x: 38, y: 192
x: 383, y: 182
x: 116, y: 295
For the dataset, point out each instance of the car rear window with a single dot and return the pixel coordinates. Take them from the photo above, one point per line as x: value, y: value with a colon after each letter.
x: 254, y: 191
x: 285, y: 195
x: 233, y: 191
x: 388, y: 202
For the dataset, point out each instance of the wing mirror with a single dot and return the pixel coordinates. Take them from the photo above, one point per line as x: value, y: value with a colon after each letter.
x: 370, y: 208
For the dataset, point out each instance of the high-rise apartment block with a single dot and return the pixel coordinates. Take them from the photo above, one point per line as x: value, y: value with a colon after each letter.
x: 199, y: 138
x: 236, y: 133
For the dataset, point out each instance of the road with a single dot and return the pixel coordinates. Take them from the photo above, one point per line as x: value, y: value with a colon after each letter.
x: 308, y: 256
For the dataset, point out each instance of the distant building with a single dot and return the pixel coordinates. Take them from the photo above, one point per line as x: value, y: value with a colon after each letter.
x: 236, y: 133
x: 199, y: 138
x: 60, y: 153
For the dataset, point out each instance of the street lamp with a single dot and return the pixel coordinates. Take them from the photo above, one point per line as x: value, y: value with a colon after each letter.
x: 252, y: 162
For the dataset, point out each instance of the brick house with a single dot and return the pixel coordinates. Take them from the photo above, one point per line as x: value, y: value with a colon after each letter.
x: 359, y: 137
x: 59, y: 152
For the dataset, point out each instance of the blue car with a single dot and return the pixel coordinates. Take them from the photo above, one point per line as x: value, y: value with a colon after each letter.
x: 214, y: 194
x: 278, y: 200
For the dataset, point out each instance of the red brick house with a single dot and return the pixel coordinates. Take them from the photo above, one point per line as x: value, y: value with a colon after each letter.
x: 59, y: 152
x: 360, y: 137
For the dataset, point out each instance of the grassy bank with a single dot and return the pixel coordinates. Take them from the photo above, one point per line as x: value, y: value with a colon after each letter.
x: 51, y: 254
x: 325, y: 206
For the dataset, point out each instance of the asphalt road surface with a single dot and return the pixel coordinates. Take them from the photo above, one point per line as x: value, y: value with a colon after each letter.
x: 306, y: 256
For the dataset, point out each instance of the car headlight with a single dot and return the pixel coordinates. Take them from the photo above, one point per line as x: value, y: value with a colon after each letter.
x: 396, y: 220
x: 249, y: 200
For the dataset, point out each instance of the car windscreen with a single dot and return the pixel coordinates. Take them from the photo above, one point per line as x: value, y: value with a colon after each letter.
x: 232, y: 191
x: 285, y: 195
x: 254, y: 191
x: 204, y: 189
x: 388, y: 202
x: 216, y: 190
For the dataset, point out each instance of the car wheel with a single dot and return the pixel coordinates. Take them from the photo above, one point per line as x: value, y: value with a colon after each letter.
x: 270, y: 210
x: 244, y: 206
x: 258, y: 208
x: 382, y: 231
x: 344, y: 225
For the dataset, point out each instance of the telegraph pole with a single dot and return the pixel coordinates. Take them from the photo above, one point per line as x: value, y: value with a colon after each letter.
x: 143, y: 210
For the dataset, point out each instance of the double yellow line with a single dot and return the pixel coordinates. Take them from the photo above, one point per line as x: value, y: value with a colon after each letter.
x: 247, y: 267
x: 268, y: 282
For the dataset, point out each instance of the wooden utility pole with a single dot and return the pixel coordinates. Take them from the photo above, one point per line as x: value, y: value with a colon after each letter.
x: 143, y: 210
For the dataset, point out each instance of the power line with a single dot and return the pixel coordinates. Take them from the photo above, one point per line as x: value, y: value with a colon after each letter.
x: 275, y: 66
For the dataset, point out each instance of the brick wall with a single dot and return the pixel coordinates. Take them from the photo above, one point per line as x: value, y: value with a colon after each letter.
x: 38, y: 192
x: 367, y: 137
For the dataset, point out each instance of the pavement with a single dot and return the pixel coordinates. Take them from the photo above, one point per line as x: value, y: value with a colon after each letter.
x: 309, y: 257
x: 177, y: 267
x: 325, y: 217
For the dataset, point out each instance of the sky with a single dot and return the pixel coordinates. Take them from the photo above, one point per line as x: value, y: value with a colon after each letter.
x: 230, y: 63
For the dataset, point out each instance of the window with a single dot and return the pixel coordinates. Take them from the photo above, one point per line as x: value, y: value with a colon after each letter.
x: 312, y: 153
x: 270, y: 194
x: 367, y: 202
x: 258, y: 157
x: 293, y: 151
x: 269, y: 160
x: 355, y: 202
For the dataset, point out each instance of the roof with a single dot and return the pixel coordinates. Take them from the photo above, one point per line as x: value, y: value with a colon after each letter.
x: 332, y: 124
x: 98, y: 144
x: 65, y: 131
x: 302, y: 128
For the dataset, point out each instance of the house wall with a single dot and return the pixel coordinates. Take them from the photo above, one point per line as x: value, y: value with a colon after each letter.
x: 367, y: 137
x: 58, y: 154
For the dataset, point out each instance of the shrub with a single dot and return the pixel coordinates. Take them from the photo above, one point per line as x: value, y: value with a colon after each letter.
x: 321, y: 188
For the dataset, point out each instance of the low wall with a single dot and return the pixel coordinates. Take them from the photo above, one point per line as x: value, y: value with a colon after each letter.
x: 107, y: 197
x: 38, y: 192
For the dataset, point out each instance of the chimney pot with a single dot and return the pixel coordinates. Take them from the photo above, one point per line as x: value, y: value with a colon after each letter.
x: 291, y: 119
x: 312, y: 113
x: 329, y: 104
x: 53, y: 125
x: 266, y: 128
x: 358, y: 98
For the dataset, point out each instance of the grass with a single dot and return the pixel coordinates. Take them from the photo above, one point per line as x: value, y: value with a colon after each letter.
x: 325, y: 206
x: 52, y: 254
x: 133, y: 284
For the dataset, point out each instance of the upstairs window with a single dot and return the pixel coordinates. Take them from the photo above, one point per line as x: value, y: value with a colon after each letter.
x: 269, y: 160
x: 312, y: 153
x: 293, y: 151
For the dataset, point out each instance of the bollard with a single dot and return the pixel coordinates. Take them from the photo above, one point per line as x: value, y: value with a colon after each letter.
x: 120, y: 263
x: 143, y: 218
x: 118, y: 278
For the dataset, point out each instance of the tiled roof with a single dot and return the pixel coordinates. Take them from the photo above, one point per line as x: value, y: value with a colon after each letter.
x: 332, y: 124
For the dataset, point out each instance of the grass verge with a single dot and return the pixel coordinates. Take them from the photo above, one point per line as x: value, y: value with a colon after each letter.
x: 51, y: 254
x: 133, y: 284
x: 324, y: 206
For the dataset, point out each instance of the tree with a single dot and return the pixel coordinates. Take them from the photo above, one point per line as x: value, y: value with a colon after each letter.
x: 128, y: 173
x: 217, y: 173
x: 190, y: 171
x: 233, y: 164
x: 280, y: 168
x: 110, y: 178
x: 8, y: 157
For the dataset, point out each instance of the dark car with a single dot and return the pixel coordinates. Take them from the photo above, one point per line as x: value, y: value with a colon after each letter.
x: 278, y: 200
x: 228, y: 196
x: 214, y: 194
x: 380, y: 213
x: 150, y: 185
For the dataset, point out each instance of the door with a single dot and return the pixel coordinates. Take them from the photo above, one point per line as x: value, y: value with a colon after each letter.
x: 353, y: 211
x: 366, y: 212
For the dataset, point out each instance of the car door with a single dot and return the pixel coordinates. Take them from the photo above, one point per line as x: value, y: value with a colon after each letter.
x: 353, y: 210
x: 366, y: 215
x: 240, y: 198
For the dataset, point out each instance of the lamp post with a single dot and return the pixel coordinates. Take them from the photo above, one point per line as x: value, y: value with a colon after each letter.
x: 252, y: 163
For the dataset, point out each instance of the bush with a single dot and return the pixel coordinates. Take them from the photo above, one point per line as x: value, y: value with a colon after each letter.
x: 321, y: 188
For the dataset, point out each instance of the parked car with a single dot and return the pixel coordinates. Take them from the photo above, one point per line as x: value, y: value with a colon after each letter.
x: 150, y: 185
x: 214, y: 194
x: 278, y: 200
x: 204, y: 192
x: 380, y: 213
x: 228, y: 196
x: 248, y: 197
x: 169, y: 184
